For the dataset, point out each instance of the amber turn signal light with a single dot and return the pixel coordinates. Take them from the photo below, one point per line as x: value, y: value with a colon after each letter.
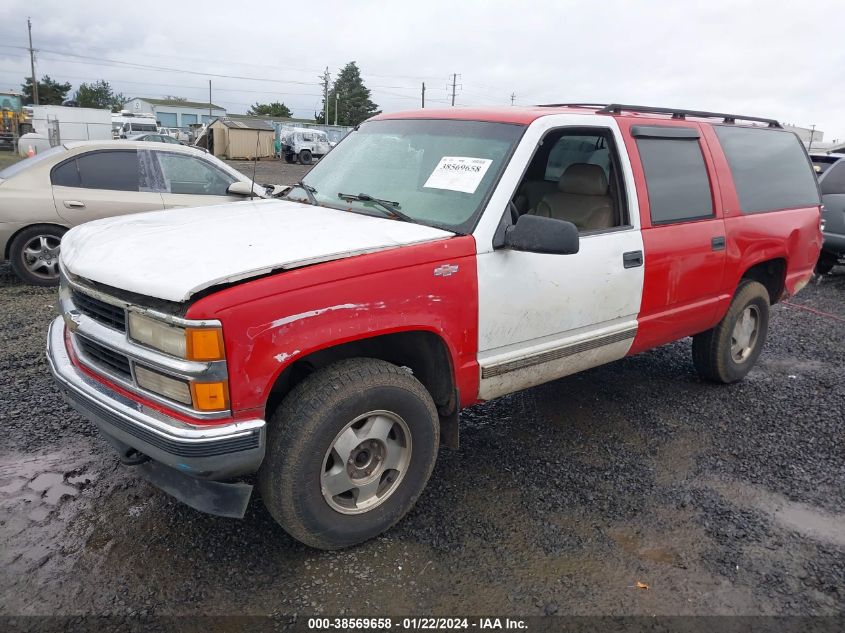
x: 204, y: 344
x: 210, y: 396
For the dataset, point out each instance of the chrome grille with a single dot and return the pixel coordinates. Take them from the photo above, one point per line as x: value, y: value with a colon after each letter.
x: 111, y: 361
x: 102, y: 312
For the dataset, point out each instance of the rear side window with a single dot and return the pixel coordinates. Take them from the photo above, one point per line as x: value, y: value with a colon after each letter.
x: 117, y: 171
x: 65, y: 175
x: 834, y: 179
x: 676, y: 179
x: 769, y: 167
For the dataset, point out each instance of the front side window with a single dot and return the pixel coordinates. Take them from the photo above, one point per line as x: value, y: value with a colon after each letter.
x: 436, y: 172
x: 676, y: 179
x: 191, y: 175
x: 112, y: 170
x: 769, y: 167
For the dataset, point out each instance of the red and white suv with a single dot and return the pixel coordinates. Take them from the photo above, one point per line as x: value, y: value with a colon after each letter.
x: 434, y: 259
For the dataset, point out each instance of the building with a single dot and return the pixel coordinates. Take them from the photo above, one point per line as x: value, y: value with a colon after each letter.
x: 239, y: 139
x: 173, y: 112
x: 805, y: 133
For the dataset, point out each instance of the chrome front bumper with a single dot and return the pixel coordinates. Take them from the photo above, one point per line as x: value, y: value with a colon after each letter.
x: 209, y: 452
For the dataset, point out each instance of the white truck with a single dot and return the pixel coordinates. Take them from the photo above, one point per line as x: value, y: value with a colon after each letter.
x: 304, y: 145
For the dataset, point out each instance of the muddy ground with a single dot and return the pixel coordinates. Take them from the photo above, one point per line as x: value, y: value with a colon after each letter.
x: 722, y: 500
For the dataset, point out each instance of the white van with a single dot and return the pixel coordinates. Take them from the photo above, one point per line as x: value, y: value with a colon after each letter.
x: 139, y: 126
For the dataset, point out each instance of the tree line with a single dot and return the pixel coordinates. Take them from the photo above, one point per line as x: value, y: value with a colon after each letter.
x: 347, y: 94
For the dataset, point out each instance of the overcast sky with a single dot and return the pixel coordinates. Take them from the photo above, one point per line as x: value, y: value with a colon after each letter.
x: 781, y: 59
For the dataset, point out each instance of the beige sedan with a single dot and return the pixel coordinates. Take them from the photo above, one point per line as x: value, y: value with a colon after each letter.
x: 43, y: 196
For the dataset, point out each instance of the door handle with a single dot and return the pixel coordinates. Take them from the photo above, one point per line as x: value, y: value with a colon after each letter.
x: 718, y: 243
x: 632, y: 259
x: 74, y: 204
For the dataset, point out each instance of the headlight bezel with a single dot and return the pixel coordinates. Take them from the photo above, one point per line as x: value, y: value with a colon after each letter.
x: 185, y: 341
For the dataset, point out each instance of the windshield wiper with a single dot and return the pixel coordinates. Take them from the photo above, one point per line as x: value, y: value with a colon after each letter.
x: 391, y: 208
x: 309, y: 192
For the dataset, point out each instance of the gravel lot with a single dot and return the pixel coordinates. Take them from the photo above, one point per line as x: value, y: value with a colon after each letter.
x: 723, y: 500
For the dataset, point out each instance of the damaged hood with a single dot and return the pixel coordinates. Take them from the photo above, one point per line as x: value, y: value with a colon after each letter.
x: 174, y: 254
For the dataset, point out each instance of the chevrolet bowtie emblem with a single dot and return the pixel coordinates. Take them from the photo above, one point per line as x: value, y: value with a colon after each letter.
x: 446, y: 270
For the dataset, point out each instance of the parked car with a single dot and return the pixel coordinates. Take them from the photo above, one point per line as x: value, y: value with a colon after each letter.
x: 327, y: 342
x: 155, y: 138
x: 822, y: 161
x: 174, y: 132
x: 41, y: 197
x: 303, y: 145
x: 832, y: 185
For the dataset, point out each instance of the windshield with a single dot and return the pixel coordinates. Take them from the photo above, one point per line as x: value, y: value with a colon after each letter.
x: 437, y: 172
x: 26, y: 163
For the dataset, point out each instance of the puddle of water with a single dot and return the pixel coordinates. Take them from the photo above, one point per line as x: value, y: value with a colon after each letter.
x: 803, y: 518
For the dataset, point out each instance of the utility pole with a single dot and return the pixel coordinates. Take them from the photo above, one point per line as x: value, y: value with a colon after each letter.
x: 32, y: 64
x: 336, y: 101
x: 513, y: 96
x: 812, y: 134
x: 423, y: 94
x: 325, y: 77
x: 454, y: 80
x: 209, y: 101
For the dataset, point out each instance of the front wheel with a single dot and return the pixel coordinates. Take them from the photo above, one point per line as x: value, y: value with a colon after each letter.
x: 349, y: 451
x: 728, y: 352
x: 305, y: 157
x: 34, y: 254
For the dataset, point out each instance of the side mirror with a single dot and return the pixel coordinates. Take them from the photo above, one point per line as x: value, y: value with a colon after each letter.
x: 536, y: 234
x: 239, y: 188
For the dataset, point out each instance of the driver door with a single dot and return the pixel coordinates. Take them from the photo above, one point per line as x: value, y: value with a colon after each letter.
x: 190, y: 181
x: 543, y: 316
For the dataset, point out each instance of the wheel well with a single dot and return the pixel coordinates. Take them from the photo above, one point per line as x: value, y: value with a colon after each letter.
x: 12, y: 237
x: 772, y: 274
x: 424, y: 353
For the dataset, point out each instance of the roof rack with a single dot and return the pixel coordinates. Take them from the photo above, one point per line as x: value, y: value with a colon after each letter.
x: 571, y: 105
x: 617, y: 108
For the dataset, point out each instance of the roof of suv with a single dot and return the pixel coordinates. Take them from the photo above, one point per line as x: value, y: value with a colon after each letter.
x: 525, y: 115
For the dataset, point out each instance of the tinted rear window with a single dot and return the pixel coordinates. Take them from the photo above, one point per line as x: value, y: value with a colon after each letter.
x: 65, y: 175
x: 676, y: 178
x: 117, y: 171
x: 770, y: 169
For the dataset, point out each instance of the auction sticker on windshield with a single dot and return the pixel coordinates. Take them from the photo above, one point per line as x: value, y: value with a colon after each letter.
x: 458, y: 173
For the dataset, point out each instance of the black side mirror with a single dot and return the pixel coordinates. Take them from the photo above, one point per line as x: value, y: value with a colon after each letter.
x: 536, y: 234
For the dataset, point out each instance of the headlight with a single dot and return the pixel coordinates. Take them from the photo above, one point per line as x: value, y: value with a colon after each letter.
x: 203, y: 344
x: 163, y: 385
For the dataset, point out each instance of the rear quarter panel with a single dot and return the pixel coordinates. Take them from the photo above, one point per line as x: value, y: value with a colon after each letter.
x: 274, y: 321
x: 793, y: 235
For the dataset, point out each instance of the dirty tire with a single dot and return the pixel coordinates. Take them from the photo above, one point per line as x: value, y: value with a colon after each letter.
x: 826, y: 263
x: 18, y: 259
x: 305, y: 157
x: 289, y: 159
x: 711, y: 350
x: 304, y: 427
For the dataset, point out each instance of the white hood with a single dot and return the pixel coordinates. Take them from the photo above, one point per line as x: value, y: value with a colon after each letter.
x: 174, y: 254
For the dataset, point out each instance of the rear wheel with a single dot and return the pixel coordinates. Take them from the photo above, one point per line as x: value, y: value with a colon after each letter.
x: 34, y: 254
x: 305, y: 157
x: 729, y: 351
x: 289, y: 158
x: 826, y: 263
x: 348, y: 452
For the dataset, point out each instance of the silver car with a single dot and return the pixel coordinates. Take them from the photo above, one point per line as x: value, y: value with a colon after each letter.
x: 43, y: 196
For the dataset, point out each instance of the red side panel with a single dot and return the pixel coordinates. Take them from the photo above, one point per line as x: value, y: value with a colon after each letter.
x: 683, y: 274
x: 270, y: 323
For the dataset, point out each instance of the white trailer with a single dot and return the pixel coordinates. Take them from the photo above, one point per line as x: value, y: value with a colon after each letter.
x: 61, y: 124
